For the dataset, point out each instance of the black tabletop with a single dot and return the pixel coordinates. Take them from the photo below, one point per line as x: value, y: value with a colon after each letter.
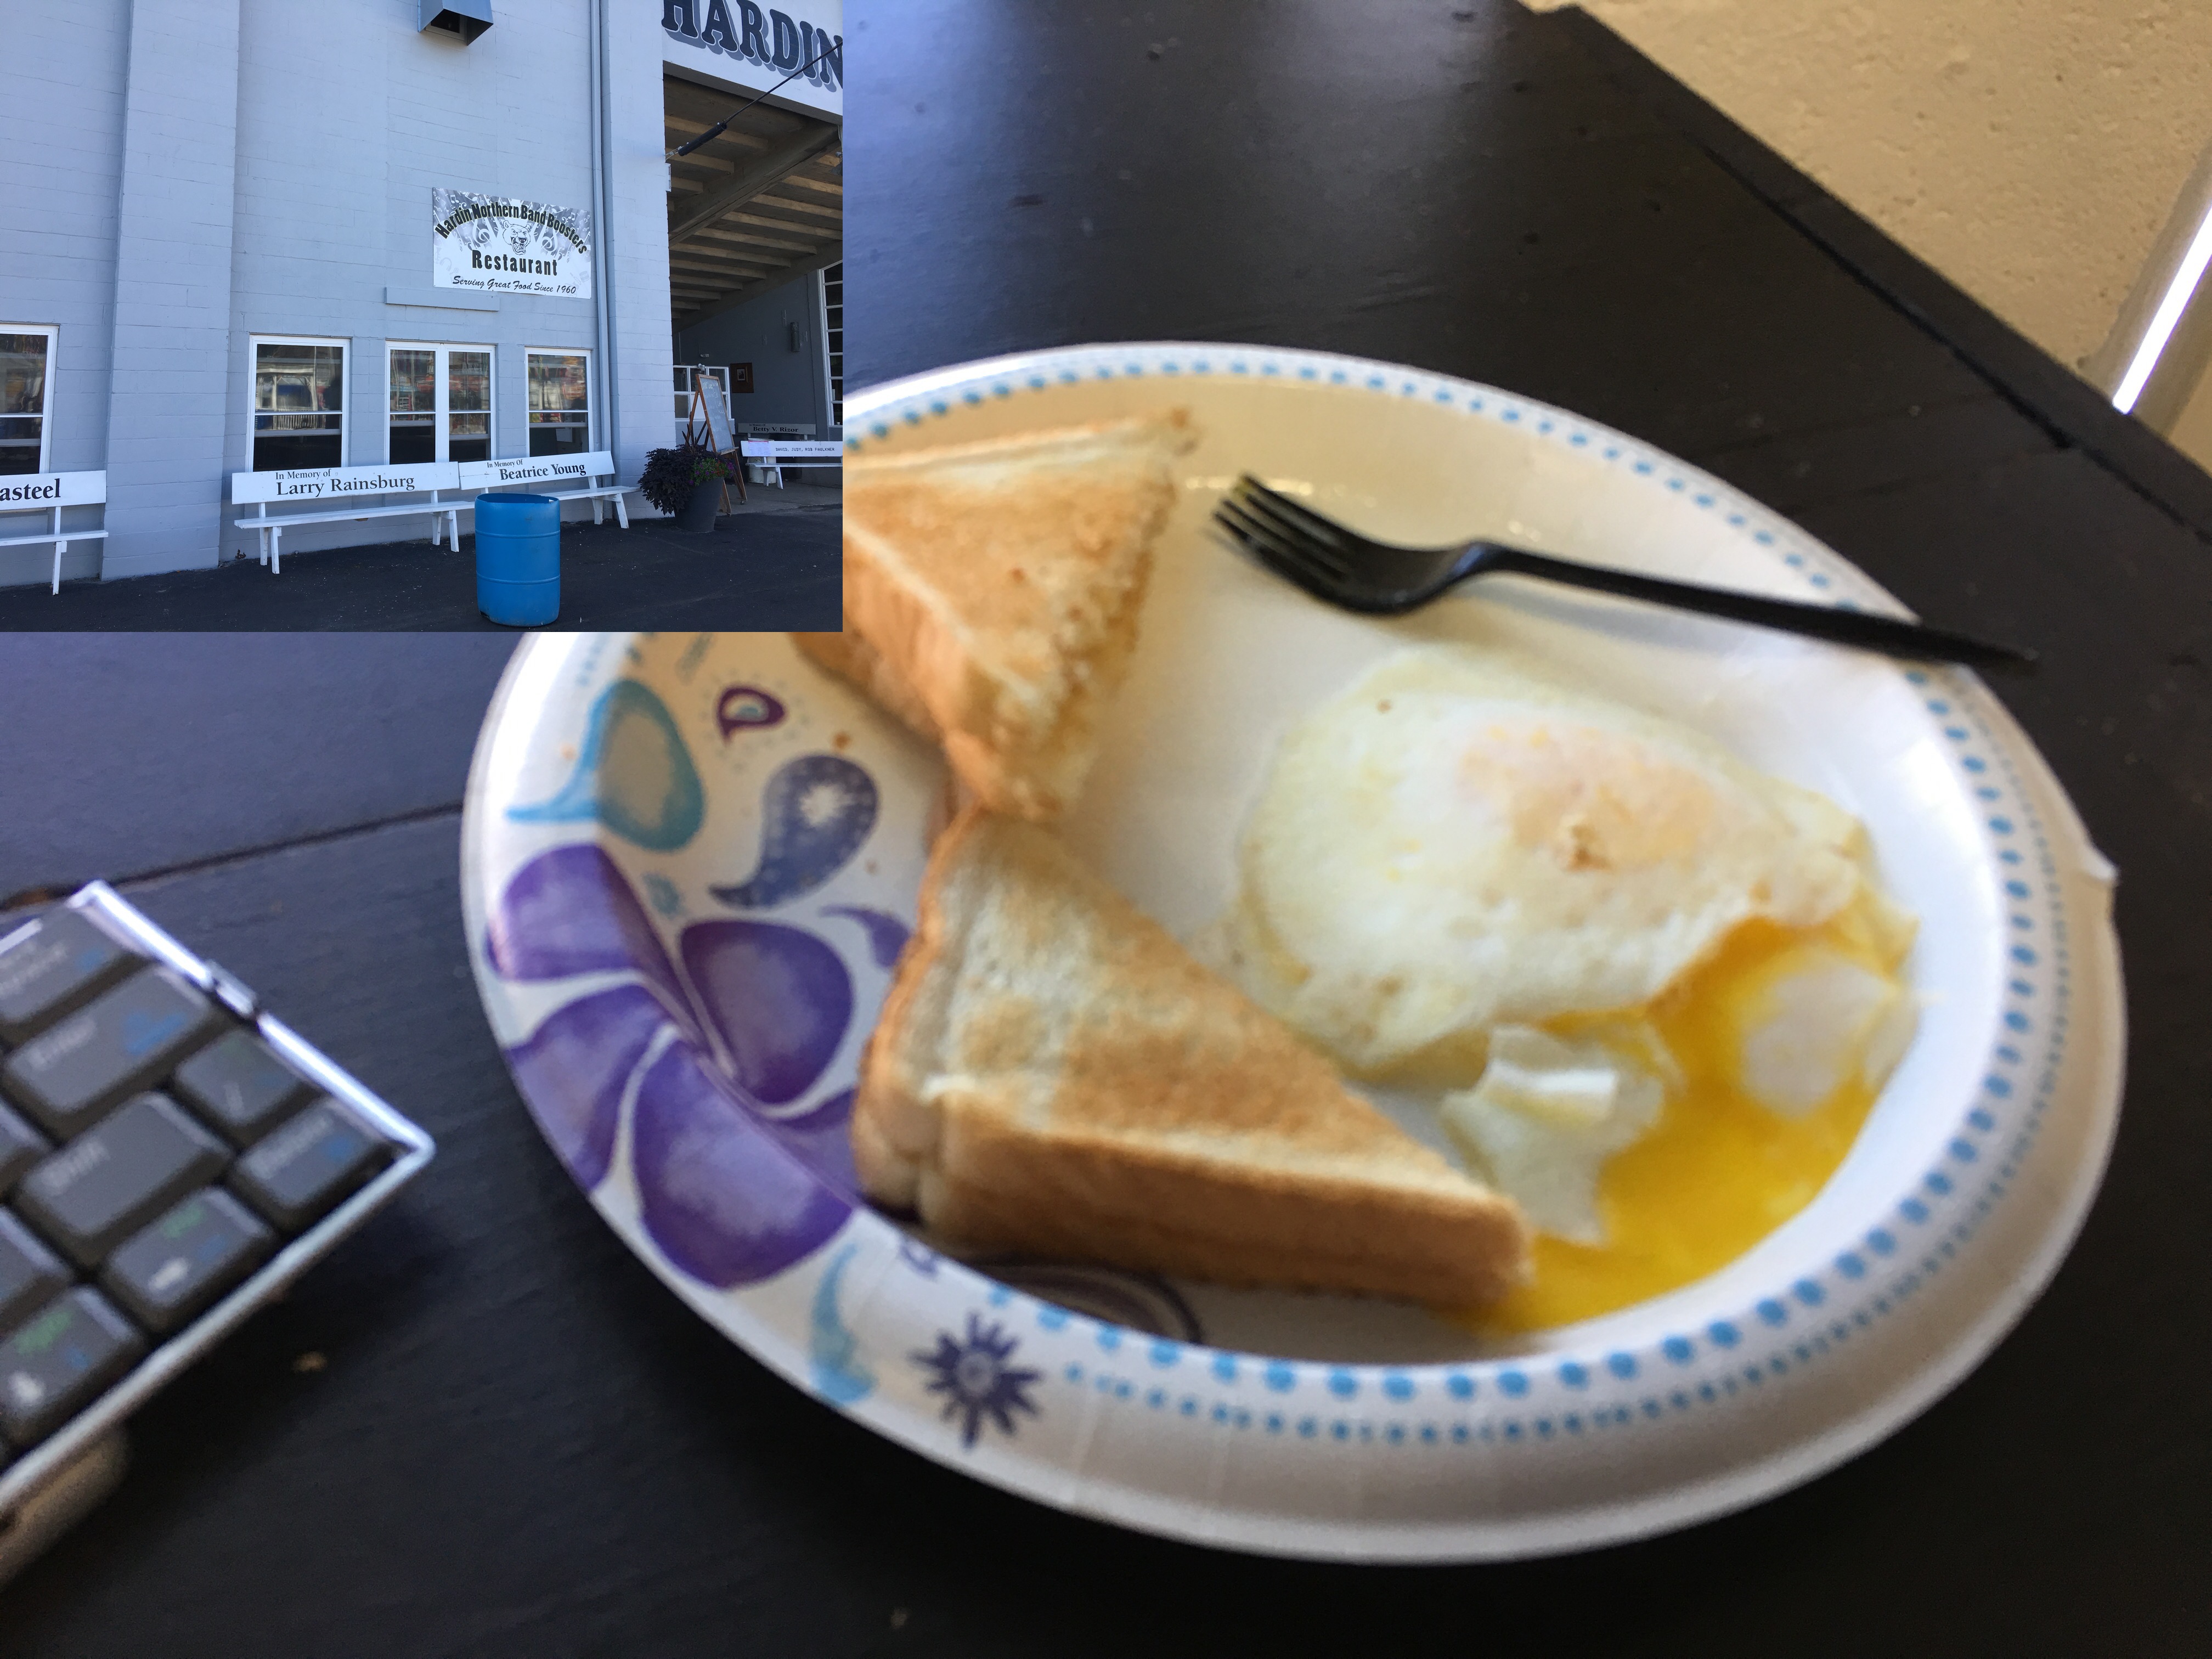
x: 482, y: 1428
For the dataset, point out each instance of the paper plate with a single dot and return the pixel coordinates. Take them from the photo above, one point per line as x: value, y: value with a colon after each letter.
x: 690, y: 862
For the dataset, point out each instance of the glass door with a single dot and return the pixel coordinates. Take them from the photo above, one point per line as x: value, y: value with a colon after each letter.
x: 685, y: 376
x: 441, y: 403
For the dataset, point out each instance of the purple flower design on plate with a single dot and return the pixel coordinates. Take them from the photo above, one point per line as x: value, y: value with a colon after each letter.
x: 570, y: 912
x: 751, y: 1019
x: 976, y: 1379
x: 778, y: 997
x: 821, y: 1139
x: 574, y: 1066
x: 721, y: 1194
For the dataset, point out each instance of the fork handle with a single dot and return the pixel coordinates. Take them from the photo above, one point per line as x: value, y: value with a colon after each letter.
x: 1819, y: 622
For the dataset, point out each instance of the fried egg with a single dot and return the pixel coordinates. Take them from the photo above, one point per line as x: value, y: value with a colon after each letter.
x: 1458, y: 842
x: 1651, y: 992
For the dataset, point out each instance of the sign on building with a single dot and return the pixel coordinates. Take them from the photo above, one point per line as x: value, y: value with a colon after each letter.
x: 799, y: 53
x: 497, y: 244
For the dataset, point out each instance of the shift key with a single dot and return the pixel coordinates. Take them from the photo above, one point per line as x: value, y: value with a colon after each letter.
x: 121, y: 1040
x: 117, y: 1176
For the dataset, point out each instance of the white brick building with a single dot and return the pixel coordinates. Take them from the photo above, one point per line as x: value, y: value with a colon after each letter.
x: 217, y: 241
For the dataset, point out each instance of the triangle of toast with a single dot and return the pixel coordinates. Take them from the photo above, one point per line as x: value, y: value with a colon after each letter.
x: 1052, y: 1074
x: 991, y: 591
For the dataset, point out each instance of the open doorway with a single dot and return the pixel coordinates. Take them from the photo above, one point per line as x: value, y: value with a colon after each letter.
x: 755, y: 239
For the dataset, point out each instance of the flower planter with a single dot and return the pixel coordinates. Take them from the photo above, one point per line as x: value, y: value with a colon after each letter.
x: 699, y: 513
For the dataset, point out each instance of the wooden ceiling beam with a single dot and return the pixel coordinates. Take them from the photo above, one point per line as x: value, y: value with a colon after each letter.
x: 769, y: 170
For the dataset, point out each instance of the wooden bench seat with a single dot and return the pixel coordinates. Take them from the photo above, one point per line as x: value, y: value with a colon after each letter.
x: 337, y: 495
x: 774, y: 454
x: 49, y: 493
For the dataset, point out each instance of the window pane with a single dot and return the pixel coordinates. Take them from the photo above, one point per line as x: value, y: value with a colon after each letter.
x: 23, y: 373
x: 552, y: 437
x: 557, y: 383
x: 283, y: 451
x: 414, y: 441
x: 468, y: 383
x: 295, y: 377
x: 414, y: 382
x: 19, y: 445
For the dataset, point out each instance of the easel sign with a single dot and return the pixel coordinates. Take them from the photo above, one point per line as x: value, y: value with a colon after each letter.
x: 710, y: 412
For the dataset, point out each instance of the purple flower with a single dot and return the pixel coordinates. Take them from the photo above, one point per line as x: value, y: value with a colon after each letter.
x: 751, y: 1017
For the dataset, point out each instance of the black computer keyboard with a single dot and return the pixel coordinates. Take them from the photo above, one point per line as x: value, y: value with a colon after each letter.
x: 170, y: 1157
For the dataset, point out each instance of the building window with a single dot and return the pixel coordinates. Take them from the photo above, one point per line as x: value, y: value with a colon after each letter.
x: 441, y: 403
x: 684, y: 373
x: 833, y: 330
x: 26, y: 357
x: 560, y: 403
x: 299, y: 403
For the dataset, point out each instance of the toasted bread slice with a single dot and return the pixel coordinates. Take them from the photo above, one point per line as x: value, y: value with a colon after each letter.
x: 992, y: 592
x: 1052, y: 1074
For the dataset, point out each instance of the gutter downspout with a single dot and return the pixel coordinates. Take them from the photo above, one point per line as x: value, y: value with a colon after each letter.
x: 602, y: 272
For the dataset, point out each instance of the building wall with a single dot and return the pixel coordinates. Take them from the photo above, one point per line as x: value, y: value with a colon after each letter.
x: 787, y: 385
x: 2032, y: 150
x: 59, y: 179
x: 346, y: 116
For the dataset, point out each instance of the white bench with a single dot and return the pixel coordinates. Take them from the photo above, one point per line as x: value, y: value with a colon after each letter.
x: 537, y: 474
x: 774, y: 454
x: 337, y: 493
x: 50, y: 492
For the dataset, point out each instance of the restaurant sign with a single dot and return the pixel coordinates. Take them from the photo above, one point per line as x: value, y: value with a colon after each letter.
x: 497, y: 244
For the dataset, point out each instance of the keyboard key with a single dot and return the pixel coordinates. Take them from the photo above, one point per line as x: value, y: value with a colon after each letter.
x: 56, y: 1364
x: 308, y: 1165
x: 30, y: 1273
x: 119, y: 1043
x: 117, y: 1176
x: 173, y: 1269
x: 20, y: 1146
x: 240, y: 1087
x: 65, y: 960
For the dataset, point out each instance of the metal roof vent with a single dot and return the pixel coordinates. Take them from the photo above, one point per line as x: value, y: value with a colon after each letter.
x: 464, y: 20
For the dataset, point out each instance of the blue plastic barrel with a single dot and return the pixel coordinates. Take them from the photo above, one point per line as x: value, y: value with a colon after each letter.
x: 519, y: 559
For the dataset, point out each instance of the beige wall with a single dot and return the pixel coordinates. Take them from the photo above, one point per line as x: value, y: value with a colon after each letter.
x: 2032, y: 150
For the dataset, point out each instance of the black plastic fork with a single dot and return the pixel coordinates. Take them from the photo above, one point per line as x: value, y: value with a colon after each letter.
x: 1344, y: 569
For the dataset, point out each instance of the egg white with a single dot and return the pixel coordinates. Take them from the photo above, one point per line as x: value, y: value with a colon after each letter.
x: 1458, y: 841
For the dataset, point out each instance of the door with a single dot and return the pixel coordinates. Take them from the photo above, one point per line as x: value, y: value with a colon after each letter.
x: 441, y: 403
x: 684, y: 376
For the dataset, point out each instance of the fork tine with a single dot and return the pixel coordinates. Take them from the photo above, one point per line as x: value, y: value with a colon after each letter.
x: 1295, y: 514
x: 1287, y: 540
x: 1296, y: 559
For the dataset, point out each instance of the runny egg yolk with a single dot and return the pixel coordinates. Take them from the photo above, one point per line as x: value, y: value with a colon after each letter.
x: 1718, y: 1171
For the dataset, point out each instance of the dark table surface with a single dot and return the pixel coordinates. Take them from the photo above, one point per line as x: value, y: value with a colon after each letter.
x: 518, y: 1442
